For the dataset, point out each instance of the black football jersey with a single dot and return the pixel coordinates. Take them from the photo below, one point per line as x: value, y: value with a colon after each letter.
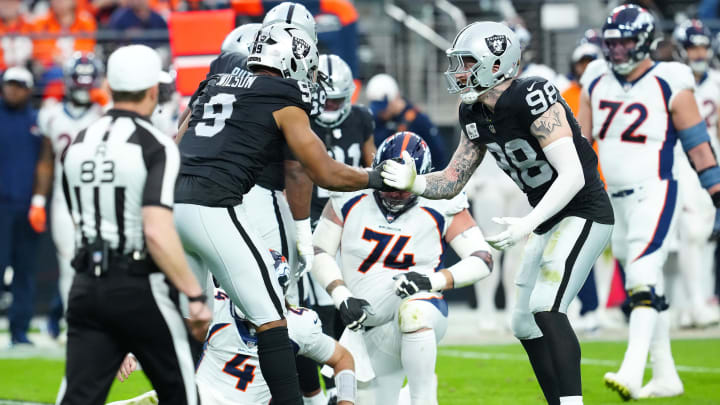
x: 344, y: 143
x: 506, y: 134
x: 232, y: 135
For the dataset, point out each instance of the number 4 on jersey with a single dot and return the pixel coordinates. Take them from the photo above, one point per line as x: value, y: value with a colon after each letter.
x: 245, y: 375
x: 382, y: 240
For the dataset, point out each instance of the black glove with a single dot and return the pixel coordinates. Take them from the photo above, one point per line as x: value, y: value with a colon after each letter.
x: 332, y: 400
x: 715, y: 235
x: 411, y: 283
x: 353, y: 312
x: 375, y: 179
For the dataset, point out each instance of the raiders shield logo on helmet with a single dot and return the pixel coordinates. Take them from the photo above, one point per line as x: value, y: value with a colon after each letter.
x: 497, y: 44
x: 300, y: 48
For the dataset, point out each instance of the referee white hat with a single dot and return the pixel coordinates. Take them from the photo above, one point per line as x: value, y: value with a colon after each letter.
x: 133, y: 68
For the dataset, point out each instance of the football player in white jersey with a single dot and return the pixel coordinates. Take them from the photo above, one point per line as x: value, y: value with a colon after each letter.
x: 693, y: 47
x: 390, y: 248
x: 60, y: 122
x: 534, y: 137
x: 637, y: 109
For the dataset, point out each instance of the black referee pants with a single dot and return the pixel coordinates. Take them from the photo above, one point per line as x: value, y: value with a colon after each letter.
x: 116, y: 314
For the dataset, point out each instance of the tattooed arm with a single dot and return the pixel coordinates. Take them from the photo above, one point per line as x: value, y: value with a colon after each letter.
x: 551, y: 126
x: 449, y: 182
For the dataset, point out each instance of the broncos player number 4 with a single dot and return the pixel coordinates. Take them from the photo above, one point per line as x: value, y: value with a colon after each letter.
x: 245, y: 375
x: 217, y: 115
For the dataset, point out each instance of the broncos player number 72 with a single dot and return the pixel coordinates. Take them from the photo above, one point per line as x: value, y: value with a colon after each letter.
x: 535, y: 139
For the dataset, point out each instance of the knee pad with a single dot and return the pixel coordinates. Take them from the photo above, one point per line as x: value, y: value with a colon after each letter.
x: 645, y: 296
x: 423, y: 310
x: 524, y: 326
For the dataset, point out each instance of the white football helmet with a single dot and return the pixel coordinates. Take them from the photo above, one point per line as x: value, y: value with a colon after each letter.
x: 286, y: 48
x: 294, y: 14
x: 336, y: 78
x: 496, y: 52
x: 240, y: 39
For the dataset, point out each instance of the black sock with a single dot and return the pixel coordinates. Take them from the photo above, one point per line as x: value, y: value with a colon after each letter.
x: 308, y: 374
x: 277, y: 362
x: 565, y: 351
x: 542, y: 365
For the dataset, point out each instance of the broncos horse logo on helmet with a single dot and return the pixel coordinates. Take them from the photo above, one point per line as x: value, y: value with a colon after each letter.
x: 693, y: 34
x: 82, y: 73
x: 628, y: 34
x: 394, y: 203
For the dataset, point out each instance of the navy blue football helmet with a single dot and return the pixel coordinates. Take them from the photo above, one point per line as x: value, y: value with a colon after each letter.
x: 628, y: 22
x: 592, y: 36
x: 690, y: 34
x: 282, y: 269
x: 82, y: 73
x: 394, y: 203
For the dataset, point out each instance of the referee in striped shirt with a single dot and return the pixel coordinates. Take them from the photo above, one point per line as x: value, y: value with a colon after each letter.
x: 119, y: 179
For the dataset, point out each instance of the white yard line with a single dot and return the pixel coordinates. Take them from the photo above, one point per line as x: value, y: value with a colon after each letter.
x: 592, y: 362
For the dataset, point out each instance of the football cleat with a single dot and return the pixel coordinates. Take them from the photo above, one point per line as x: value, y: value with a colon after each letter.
x: 618, y: 384
x: 661, y: 389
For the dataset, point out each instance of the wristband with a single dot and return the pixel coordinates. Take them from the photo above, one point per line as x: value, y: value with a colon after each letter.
x: 339, y: 295
x: 198, y: 298
x: 419, y: 185
x: 38, y: 200
x: 375, y: 180
x: 437, y: 281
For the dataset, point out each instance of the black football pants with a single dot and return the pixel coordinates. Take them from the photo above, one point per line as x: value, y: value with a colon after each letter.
x: 113, y: 315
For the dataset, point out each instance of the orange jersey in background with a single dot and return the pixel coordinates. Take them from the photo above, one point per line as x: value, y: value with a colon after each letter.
x: 80, y: 36
x: 14, y: 50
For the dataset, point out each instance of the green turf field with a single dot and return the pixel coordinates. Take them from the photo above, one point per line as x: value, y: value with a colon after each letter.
x: 467, y: 375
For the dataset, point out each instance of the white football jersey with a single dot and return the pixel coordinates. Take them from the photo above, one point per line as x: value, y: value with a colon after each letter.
x: 61, y: 122
x: 707, y: 95
x: 230, y: 363
x: 631, y: 121
x: 373, y: 249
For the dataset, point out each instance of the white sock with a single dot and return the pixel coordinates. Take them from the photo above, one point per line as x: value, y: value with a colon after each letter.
x: 417, y: 354
x: 317, y: 399
x: 574, y: 400
x: 663, y: 364
x: 640, y: 331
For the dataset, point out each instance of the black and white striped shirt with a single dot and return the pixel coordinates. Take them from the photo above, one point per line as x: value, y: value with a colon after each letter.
x: 116, y: 166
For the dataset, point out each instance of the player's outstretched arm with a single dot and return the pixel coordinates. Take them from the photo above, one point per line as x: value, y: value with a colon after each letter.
x: 299, y: 188
x: 307, y: 147
x: 475, y: 263
x: 440, y: 185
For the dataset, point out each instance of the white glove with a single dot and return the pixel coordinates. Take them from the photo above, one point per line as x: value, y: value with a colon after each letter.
x: 517, y: 230
x: 403, y: 176
x: 305, y: 249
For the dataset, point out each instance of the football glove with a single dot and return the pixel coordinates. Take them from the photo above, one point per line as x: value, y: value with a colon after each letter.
x: 37, y: 216
x: 411, y: 283
x: 517, y: 230
x: 305, y: 249
x: 353, y: 312
x: 402, y: 174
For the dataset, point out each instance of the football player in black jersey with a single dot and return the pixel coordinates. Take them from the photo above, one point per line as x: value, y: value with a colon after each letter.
x: 535, y: 139
x: 239, y: 123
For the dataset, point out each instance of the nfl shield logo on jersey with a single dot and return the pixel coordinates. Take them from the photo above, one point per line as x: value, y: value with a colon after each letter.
x: 497, y: 44
x: 472, y: 131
